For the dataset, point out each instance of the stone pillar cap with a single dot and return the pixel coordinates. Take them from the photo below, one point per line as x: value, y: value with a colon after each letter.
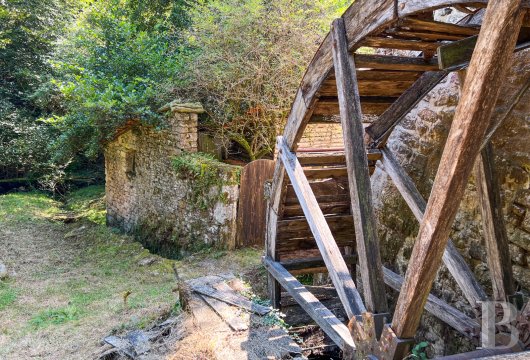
x: 179, y: 107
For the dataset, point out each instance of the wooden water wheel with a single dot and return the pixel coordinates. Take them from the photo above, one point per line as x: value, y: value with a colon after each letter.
x: 320, y: 215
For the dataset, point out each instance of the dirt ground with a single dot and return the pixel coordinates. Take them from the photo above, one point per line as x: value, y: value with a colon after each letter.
x: 72, y: 284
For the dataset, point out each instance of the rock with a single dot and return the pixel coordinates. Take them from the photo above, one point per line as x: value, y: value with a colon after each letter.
x: 147, y: 261
x: 3, y: 272
x: 75, y: 232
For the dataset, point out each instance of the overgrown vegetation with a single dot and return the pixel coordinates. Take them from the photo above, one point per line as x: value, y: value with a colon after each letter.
x: 209, y: 177
x: 73, y: 71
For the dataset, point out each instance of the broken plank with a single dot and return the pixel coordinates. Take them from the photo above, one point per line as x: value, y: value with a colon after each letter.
x: 232, y: 298
x: 337, y: 268
x: 329, y: 323
x: 357, y: 171
x: 385, y: 62
x: 226, y: 312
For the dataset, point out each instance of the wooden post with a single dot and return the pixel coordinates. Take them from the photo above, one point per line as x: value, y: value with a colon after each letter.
x: 337, y: 268
x: 486, y: 71
x: 358, y: 173
x: 273, y: 209
x: 496, y: 239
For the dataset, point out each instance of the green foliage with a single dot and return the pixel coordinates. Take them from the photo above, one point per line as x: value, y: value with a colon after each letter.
x: 418, y: 351
x: 247, y: 60
x: 28, y: 29
x: 112, y: 67
x: 89, y: 203
x: 8, y: 295
x: 207, y: 177
x: 57, y: 316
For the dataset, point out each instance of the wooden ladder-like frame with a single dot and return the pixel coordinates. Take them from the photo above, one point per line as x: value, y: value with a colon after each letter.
x: 367, y: 332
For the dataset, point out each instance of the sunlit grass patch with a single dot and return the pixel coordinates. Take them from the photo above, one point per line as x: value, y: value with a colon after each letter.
x: 8, y: 295
x: 27, y: 206
x: 56, y: 316
x: 89, y: 202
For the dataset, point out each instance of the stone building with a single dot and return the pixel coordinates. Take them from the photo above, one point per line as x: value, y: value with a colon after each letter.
x: 148, y: 197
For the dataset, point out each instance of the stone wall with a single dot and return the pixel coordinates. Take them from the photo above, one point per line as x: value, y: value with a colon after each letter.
x: 418, y: 144
x: 146, y: 196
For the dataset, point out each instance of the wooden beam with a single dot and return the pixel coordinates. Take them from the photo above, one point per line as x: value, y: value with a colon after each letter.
x: 400, y: 44
x: 329, y: 250
x: 454, y: 261
x: 391, y: 88
x: 333, y: 327
x: 274, y: 205
x: 385, y: 62
x: 423, y: 35
x: 381, y: 129
x: 313, y: 262
x: 374, y: 105
x: 439, y: 308
x: 437, y: 26
x: 358, y: 174
x: 456, y: 55
x: 495, y: 236
x: 335, y: 157
x: 487, y: 70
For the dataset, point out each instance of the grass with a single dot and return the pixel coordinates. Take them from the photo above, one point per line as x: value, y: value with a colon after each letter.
x: 55, y: 316
x: 76, y: 284
x: 8, y: 295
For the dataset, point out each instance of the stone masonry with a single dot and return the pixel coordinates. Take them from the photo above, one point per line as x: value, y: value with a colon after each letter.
x: 145, y: 195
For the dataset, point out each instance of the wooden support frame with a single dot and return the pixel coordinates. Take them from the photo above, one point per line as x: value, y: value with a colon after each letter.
x: 358, y: 173
x: 332, y: 326
x: 337, y: 268
x: 496, y: 41
x: 456, y: 264
x: 495, y: 236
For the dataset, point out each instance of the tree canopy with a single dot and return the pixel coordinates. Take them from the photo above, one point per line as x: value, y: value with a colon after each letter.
x: 73, y: 71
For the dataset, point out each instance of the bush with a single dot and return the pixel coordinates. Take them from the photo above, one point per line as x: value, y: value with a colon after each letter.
x: 247, y: 59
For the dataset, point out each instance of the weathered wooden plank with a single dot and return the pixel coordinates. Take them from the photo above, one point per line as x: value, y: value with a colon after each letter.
x: 358, y: 174
x: 333, y: 327
x: 252, y: 207
x: 339, y: 207
x: 226, y: 313
x: 423, y: 35
x: 373, y: 105
x: 314, y: 262
x: 324, y: 173
x: 386, y: 62
x: 408, y: 7
x: 329, y: 158
x: 495, y: 236
x: 230, y: 297
x: 362, y: 18
x: 337, y: 268
x: 487, y: 69
x: 456, y: 55
x: 390, y: 88
x: 384, y: 75
x: 400, y: 44
x: 438, y: 308
x: 437, y: 26
x: 300, y: 227
x: 454, y: 261
x: 274, y: 208
x: 380, y: 129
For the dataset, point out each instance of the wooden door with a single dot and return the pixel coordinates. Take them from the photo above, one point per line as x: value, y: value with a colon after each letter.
x: 252, y: 204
